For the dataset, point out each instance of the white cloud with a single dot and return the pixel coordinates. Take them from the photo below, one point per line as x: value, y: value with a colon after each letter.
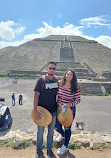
x: 97, y: 21
x: 105, y: 40
x: 6, y: 44
x: 67, y: 29
x: 17, y: 43
x: 9, y: 30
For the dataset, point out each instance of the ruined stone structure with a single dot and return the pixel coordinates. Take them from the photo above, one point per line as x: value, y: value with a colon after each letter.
x: 66, y: 50
x: 89, y: 59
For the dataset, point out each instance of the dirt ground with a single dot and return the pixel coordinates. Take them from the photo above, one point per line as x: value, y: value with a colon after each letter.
x: 90, y: 110
x: 78, y: 153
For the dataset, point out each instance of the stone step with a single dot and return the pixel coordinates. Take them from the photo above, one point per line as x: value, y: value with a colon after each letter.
x: 60, y: 73
x: 103, y: 90
x: 75, y: 69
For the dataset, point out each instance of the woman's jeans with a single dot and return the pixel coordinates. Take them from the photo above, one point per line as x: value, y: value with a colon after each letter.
x: 40, y: 132
x: 67, y: 130
x: 5, y: 126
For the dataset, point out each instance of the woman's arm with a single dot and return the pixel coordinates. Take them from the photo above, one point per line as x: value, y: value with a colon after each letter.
x: 76, y: 100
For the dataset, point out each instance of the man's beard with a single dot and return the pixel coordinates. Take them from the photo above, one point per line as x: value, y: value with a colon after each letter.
x: 51, y: 74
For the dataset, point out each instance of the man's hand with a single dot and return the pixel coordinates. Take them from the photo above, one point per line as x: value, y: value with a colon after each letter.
x: 36, y: 98
x: 37, y: 114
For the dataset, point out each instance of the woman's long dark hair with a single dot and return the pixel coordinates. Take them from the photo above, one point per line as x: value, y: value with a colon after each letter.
x: 74, y: 84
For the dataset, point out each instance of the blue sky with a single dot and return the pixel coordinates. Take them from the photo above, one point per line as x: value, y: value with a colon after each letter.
x: 24, y: 20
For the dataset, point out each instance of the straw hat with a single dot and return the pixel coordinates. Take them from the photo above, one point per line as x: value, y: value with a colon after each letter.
x: 45, y: 119
x: 65, y: 118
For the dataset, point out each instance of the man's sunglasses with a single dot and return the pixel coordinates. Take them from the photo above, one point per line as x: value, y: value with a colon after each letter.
x: 53, y: 68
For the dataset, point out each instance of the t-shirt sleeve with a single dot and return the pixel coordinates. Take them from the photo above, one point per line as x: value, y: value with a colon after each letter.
x: 39, y: 84
x: 7, y: 111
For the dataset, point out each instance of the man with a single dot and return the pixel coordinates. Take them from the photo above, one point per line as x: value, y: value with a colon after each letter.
x: 5, y: 117
x: 45, y: 96
x: 13, y: 99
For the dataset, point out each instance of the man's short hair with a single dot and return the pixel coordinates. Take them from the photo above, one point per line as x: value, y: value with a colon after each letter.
x: 52, y: 62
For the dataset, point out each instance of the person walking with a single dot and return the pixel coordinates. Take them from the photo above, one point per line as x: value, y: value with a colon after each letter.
x: 13, y: 99
x: 45, y: 96
x: 20, y: 99
x: 69, y: 97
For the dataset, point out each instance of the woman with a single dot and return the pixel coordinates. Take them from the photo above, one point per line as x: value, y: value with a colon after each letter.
x: 68, y: 94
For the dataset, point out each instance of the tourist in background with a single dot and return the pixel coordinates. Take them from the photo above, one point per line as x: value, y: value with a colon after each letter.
x: 13, y: 99
x: 68, y: 94
x: 20, y: 99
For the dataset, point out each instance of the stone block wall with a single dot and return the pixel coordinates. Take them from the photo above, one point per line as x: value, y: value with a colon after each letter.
x: 95, y: 88
x: 107, y: 87
x: 91, y: 88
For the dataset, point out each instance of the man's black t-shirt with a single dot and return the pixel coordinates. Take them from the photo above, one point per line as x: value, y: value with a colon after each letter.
x: 48, y: 91
x: 4, y: 111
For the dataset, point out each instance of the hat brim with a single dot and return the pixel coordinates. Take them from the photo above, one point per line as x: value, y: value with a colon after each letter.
x: 67, y: 116
x: 43, y: 121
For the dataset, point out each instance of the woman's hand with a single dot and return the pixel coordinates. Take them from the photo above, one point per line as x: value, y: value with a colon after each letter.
x: 68, y: 105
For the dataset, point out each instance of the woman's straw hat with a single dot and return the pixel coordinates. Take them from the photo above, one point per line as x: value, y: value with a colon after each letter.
x: 65, y: 118
x: 45, y: 115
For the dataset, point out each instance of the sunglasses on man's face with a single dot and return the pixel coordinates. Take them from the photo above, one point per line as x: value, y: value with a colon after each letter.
x: 53, y: 68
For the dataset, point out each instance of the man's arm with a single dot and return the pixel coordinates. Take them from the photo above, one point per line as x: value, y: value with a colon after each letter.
x: 36, y: 98
x: 10, y: 124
